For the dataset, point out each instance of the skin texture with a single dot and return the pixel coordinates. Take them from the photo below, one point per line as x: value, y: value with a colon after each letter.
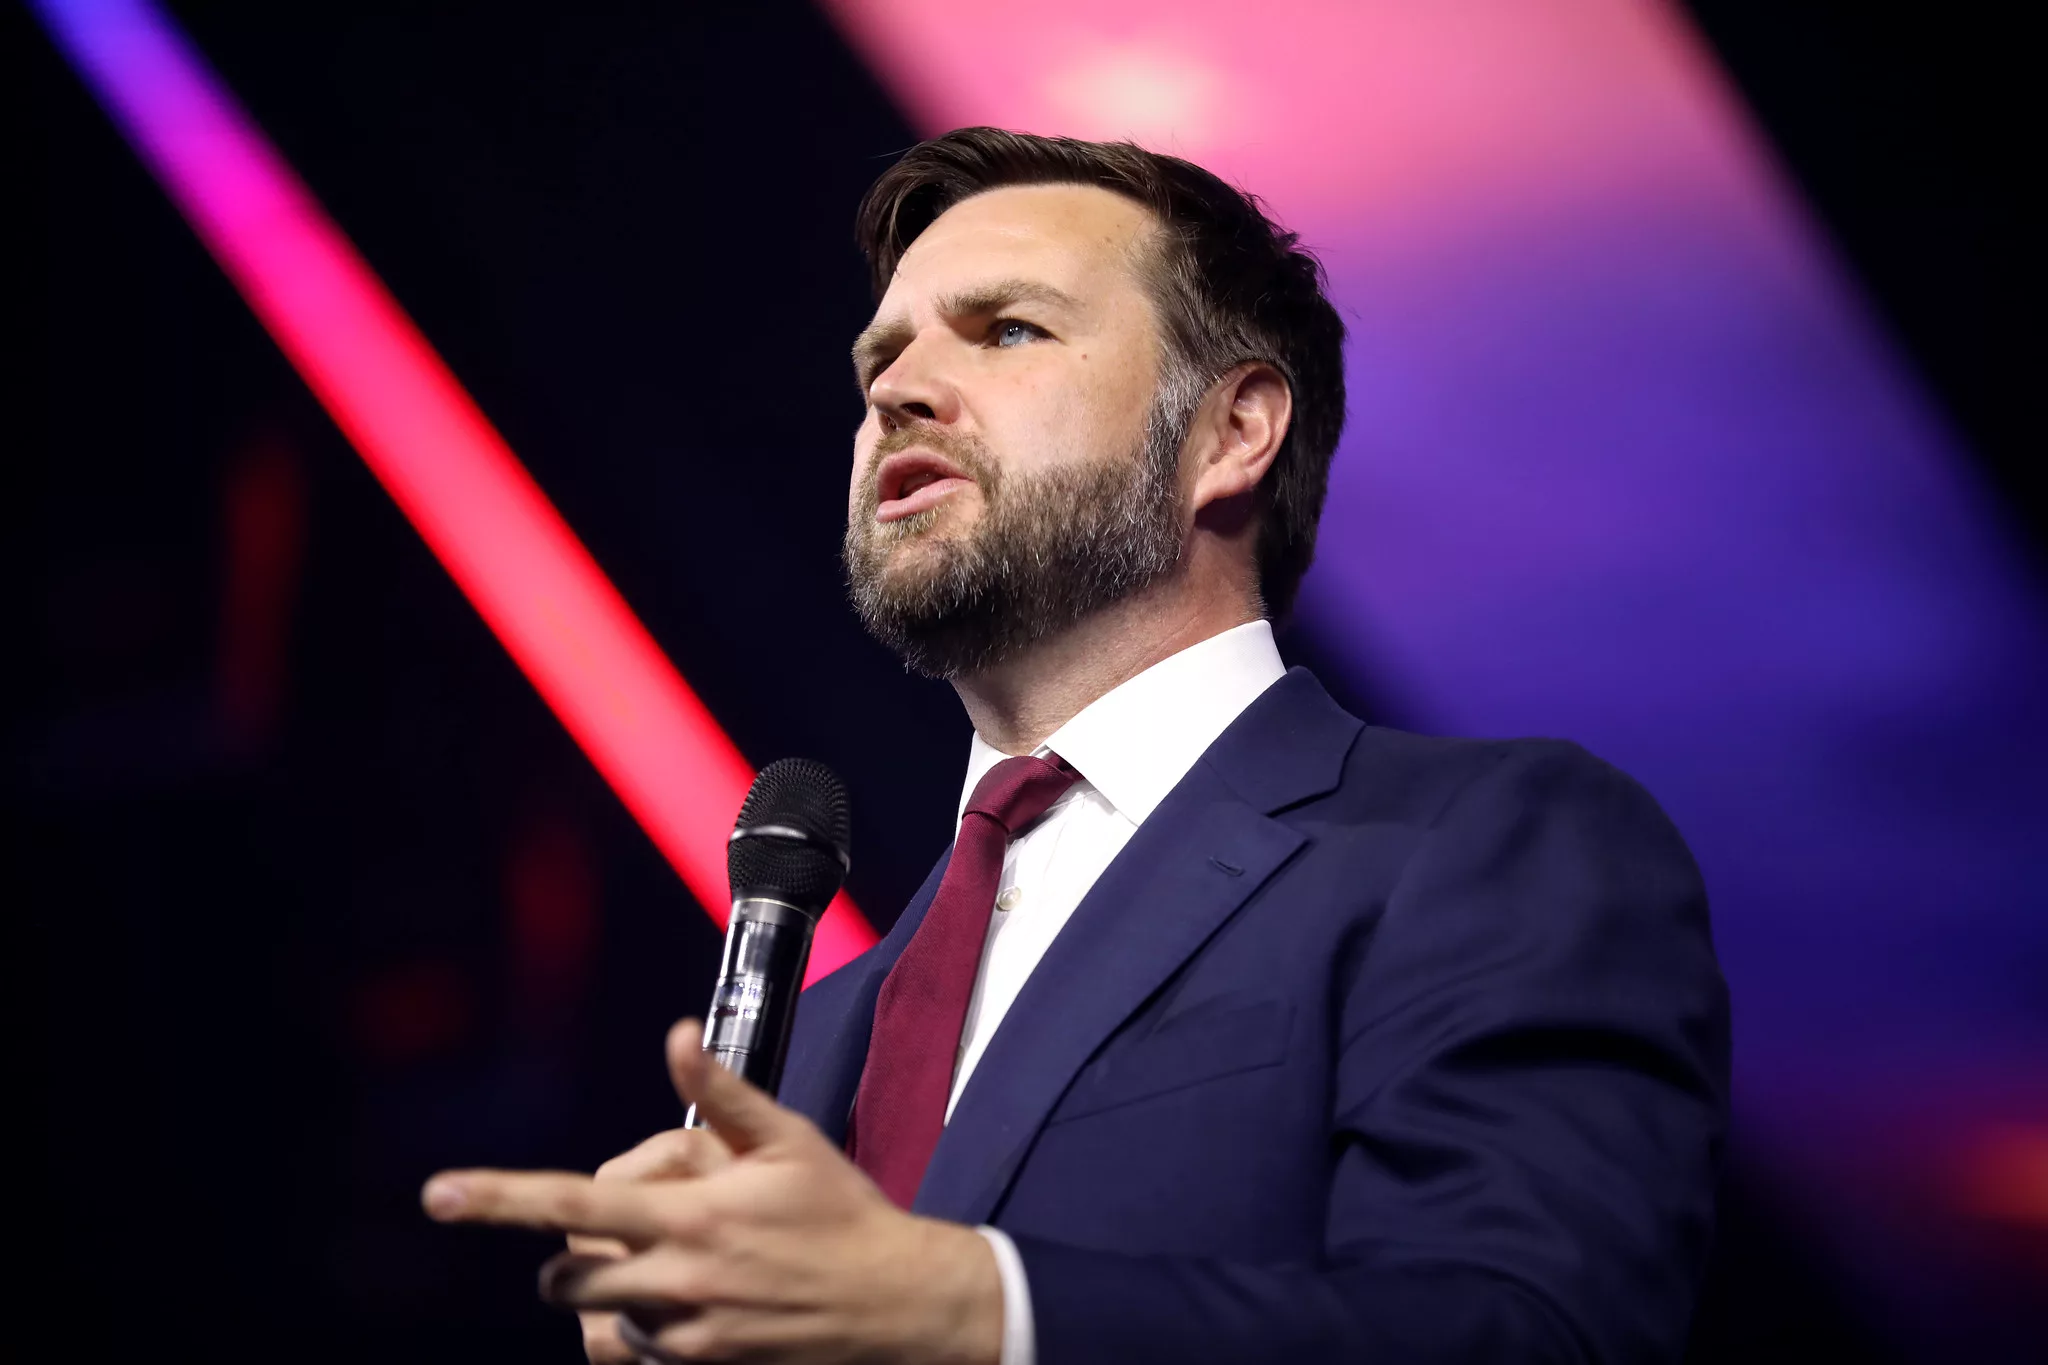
x: 1017, y: 326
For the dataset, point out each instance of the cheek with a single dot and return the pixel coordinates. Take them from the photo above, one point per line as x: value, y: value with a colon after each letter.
x: 1110, y: 390
x: 1045, y: 419
x: 1104, y: 412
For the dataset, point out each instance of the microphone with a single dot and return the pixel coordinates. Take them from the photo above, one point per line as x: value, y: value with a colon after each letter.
x: 786, y: 860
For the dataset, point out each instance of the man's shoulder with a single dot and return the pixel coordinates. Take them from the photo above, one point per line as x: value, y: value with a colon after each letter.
x: 1424, y: 779
x: 1300, y: 749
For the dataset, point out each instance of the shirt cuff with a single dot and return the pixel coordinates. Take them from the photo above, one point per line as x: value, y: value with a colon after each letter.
x: 1020, y: 1341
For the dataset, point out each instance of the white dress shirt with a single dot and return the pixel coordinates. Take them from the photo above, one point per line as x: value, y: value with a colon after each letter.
x: 1131, y: 746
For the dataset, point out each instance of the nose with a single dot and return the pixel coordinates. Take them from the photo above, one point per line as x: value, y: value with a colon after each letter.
x: 915, y: 387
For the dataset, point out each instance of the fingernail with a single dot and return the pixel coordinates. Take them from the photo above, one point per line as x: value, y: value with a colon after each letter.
x: 443, y: 1198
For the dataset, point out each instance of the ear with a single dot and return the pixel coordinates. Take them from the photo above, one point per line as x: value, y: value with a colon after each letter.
x: 1237, y: 433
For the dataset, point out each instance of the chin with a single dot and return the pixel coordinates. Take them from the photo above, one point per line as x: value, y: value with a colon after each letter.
x: 918, y: 558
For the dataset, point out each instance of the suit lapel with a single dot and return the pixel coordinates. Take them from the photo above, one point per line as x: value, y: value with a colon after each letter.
x: 1199, y: 856
x: 835, y: 1018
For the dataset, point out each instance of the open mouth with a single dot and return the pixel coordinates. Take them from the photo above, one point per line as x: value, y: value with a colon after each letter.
x: 914, y: 481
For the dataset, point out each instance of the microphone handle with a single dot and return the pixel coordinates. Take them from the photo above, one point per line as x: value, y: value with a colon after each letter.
x: 767, y: 946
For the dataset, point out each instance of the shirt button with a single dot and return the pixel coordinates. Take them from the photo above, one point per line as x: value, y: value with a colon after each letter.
x: 1010, y: 899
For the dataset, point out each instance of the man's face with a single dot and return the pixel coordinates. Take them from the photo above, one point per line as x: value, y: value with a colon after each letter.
x: 1013, y: 472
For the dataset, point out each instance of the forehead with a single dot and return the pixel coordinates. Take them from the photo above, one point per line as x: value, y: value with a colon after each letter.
x: 1085, y: 240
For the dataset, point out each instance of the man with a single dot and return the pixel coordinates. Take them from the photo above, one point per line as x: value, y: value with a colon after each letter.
x: 1230, y: 1028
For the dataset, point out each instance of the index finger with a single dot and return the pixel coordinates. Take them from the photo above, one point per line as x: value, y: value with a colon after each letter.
x: 559, y: 1201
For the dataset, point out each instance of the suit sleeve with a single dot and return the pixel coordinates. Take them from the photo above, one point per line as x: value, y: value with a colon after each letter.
x: 1530, y: 1093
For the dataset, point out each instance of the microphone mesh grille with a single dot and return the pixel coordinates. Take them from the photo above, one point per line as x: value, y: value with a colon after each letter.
x: 804, y: 794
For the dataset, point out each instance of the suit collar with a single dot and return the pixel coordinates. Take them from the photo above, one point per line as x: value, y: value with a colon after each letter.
x: 1288, y: 747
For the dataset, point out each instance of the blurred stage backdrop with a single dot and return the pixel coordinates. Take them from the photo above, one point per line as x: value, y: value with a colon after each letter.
x: 420, y: 394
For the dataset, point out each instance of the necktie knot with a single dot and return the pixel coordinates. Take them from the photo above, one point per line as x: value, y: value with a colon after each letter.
x: 1019, y: 790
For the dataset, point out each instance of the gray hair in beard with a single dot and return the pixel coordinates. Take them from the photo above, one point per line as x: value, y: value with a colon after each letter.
x: 1052, y: 548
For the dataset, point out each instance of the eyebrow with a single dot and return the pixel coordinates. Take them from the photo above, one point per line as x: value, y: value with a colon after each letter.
x: 884, y: 339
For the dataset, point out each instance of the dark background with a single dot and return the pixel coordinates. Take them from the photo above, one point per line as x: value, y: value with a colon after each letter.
x: 316, y: 896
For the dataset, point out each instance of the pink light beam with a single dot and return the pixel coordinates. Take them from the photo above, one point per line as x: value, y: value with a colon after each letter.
x: 434, y: 451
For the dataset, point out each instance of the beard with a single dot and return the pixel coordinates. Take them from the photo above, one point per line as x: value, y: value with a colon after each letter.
x: 1051, y: 548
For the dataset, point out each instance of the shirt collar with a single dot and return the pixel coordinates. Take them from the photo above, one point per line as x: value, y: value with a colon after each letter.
x: 1135, y: 742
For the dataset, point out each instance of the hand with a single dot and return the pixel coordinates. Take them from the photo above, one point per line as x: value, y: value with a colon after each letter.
x: 775, y: 1249
x: 679, y: 1154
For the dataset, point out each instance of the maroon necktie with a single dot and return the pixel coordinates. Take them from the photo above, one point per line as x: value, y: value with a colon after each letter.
x: 901, y: 1105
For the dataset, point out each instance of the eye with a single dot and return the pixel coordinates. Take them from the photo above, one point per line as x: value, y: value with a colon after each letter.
x: 1010, y: 332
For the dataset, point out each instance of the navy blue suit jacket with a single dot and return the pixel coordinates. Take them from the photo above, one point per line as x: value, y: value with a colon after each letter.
x: 1367, y: 1047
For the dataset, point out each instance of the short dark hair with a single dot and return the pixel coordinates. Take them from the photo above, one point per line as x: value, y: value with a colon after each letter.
x: 1229, y: 283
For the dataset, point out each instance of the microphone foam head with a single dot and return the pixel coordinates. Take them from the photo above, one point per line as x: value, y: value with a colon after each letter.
x: 791, y: 840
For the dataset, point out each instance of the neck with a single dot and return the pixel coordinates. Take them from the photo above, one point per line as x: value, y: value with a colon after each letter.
x: 1018, y: 703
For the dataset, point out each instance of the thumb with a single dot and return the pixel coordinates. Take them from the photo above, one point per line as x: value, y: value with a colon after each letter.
x: 740, y: 1114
